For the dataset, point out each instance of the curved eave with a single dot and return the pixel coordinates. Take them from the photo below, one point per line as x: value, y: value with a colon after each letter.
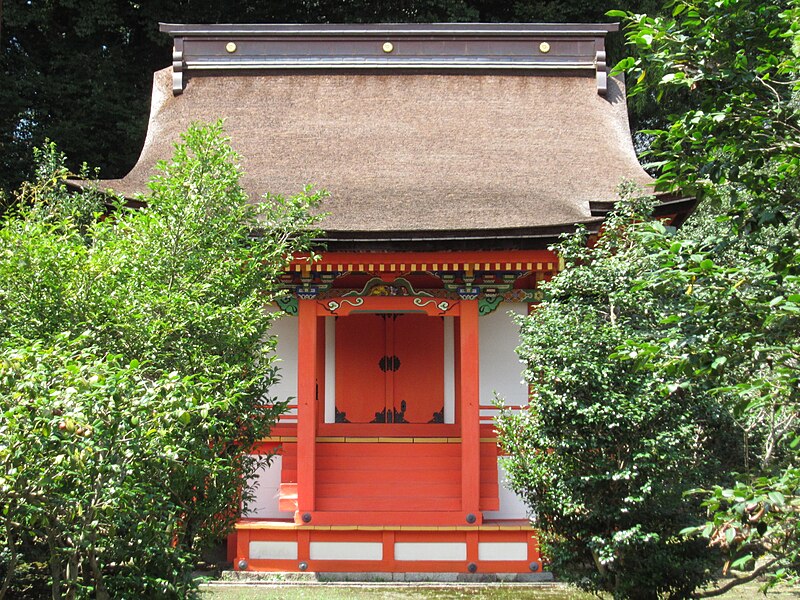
x: 528, y: 238
x: 672, y: 206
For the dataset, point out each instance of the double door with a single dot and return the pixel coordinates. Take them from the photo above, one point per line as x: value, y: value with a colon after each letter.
x: 390, y: 368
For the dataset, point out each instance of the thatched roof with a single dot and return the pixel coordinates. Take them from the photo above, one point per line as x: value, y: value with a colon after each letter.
x: 419, y: 153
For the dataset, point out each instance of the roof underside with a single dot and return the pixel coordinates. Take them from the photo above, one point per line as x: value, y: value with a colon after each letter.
x: 412, y: 153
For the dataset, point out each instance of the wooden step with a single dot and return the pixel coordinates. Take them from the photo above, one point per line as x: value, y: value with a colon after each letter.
x: 387, y: 504
x: 401, y: 491
x: 386, y: 477
x: 287, y: 497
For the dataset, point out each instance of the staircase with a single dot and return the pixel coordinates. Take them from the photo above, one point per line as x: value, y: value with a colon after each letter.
x: 388, y: 477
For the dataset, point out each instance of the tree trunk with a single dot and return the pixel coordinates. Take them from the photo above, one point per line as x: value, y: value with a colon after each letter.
x: 72, y: 575
x: 12, y: 547
x: 101, y: 592
x: 55, y: 569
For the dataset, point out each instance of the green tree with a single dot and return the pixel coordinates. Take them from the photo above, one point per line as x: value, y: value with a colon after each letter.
x: 603, y: 455
x: 135, y: 365
x: 714, y: 307
x: 738, y: 148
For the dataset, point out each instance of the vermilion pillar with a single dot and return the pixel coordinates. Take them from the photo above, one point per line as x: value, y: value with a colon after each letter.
x: 306, y: 406
x: 469, y: 408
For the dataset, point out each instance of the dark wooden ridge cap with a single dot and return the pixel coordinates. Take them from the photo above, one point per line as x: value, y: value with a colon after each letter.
x: 199, y: 49
x: 335, y: 29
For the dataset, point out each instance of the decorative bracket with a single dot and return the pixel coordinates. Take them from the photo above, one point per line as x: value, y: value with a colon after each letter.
x: 442, y: 305
x: 178, y: 67
x: 334, y: 305
x: 344, y: 306
x: 288, y: 304
x: 601, y: 70
x: 488, y: 305
x: 378, y: 287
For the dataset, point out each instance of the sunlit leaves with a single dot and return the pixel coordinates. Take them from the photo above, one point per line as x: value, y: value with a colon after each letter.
x: 604, y: 452
x: 135, y: 365
x: 736, y: 63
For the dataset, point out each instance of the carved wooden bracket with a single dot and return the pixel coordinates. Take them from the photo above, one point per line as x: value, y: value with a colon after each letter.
x: 343, y: 306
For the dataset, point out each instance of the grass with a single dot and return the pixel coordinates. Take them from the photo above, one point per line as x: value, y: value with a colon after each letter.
x: 439, y: 592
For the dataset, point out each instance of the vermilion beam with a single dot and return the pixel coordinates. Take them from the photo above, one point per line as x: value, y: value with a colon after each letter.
x: 477, y: 258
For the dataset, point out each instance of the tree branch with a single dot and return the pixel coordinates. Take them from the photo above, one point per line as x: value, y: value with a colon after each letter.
x: 737, y: 581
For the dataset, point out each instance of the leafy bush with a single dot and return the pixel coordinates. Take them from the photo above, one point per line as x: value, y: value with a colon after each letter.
x: 603, y: 454
x: 135, y: 362
x: 656, y: 346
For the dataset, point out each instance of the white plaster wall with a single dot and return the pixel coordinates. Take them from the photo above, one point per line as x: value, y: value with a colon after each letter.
x: 502, y: 551
x: 265, y: 503
x: 501, y: 372
x: 286, y: 330
x: 268, y: 479
x: 345, y: 551
x: 501, y: 369
x: 430, y: 551
x: 511, y: 505
x: 273, y: 550
x: 449, y: 372
x: 330, y: 370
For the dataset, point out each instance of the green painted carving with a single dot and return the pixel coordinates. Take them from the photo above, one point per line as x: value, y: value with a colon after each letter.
x: 488, y: 305
x: 288, y: 304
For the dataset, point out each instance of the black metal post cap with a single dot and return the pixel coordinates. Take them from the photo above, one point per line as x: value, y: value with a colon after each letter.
x: 472, y: 567
x: 306, y: 517
x: 471, y: 518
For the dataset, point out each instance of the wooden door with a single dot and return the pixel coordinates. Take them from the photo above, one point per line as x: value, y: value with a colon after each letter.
x: 389, y: 368
x: 360, y: 383
x: 419, y: 381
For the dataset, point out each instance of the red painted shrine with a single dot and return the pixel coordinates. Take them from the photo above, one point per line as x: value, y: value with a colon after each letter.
x: 454, y: 155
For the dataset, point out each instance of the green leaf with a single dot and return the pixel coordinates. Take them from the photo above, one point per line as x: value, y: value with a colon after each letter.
x: 730, y: 534
x: 741, y: 562
x: 777, y: 498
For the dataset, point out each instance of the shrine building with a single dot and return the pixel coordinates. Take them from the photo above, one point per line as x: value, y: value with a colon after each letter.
x: 454, y: 154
